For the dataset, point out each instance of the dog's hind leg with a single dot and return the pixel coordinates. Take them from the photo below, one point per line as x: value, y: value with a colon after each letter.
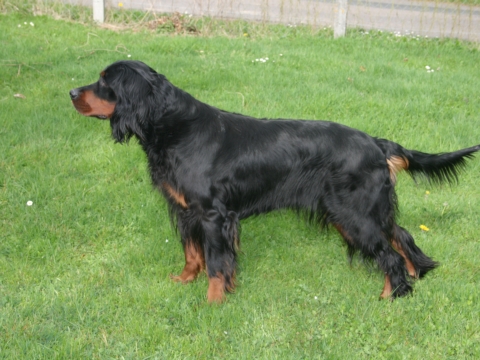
x: 365, y: 219
x: 418, y: 264
x: 372, y: 243
x: 410, y: 267
x: 393, y: 265
x: 220, y: 248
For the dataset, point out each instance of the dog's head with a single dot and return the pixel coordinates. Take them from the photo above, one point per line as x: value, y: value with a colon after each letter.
x: 124, y: 93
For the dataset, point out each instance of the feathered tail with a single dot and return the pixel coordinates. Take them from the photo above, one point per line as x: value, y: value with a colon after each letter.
x: 437, y: 168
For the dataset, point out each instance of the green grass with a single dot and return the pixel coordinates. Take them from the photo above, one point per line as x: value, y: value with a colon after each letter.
x: 84, y: 270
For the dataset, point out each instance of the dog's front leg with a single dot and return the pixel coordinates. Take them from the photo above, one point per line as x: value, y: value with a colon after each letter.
x: 190, y: 227
x: 194, y: 262
x: 220, y: 250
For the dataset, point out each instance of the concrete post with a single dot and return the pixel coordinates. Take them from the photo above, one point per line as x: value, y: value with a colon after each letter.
x: 340, y: 25
x: 99, y: 11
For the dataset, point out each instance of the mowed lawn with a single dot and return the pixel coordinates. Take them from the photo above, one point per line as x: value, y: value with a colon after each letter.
x: 85, y: 264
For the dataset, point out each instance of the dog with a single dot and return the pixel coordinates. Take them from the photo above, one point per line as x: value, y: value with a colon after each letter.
x: 216, y: 168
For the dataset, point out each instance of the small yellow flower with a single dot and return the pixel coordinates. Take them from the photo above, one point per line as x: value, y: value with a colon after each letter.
x: 424, y: 228
x: 120, y: 4
x: 245, y: 34
x: 427, y: 192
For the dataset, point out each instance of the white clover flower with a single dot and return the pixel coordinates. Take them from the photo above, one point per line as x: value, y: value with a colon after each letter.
x: 262, y: 60
x: 427, y: 67
x: 29, y: 203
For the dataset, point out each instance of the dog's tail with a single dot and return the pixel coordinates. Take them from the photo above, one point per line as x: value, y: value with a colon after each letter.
x: 437, y: 168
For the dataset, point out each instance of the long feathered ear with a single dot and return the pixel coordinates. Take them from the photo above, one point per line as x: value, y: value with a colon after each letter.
x: 136, y: 86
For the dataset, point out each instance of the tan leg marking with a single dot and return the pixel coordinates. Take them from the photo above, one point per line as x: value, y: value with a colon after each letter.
x: 387, y: 288
x: 344, y: 234
x: 194, y: 264
x: 216, y: 289
x: 175, y: 195
x: 410, y: 267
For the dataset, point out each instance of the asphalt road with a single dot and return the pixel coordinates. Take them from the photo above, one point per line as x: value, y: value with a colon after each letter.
x: 404, y: 17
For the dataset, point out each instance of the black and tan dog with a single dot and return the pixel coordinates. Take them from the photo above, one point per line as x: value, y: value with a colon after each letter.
x: 216, y: 168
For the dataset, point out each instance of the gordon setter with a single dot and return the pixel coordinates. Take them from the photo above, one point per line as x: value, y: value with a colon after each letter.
x: 216, y: 168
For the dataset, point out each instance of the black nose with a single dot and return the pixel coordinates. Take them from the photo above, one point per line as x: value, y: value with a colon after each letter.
x: 74, y: 94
